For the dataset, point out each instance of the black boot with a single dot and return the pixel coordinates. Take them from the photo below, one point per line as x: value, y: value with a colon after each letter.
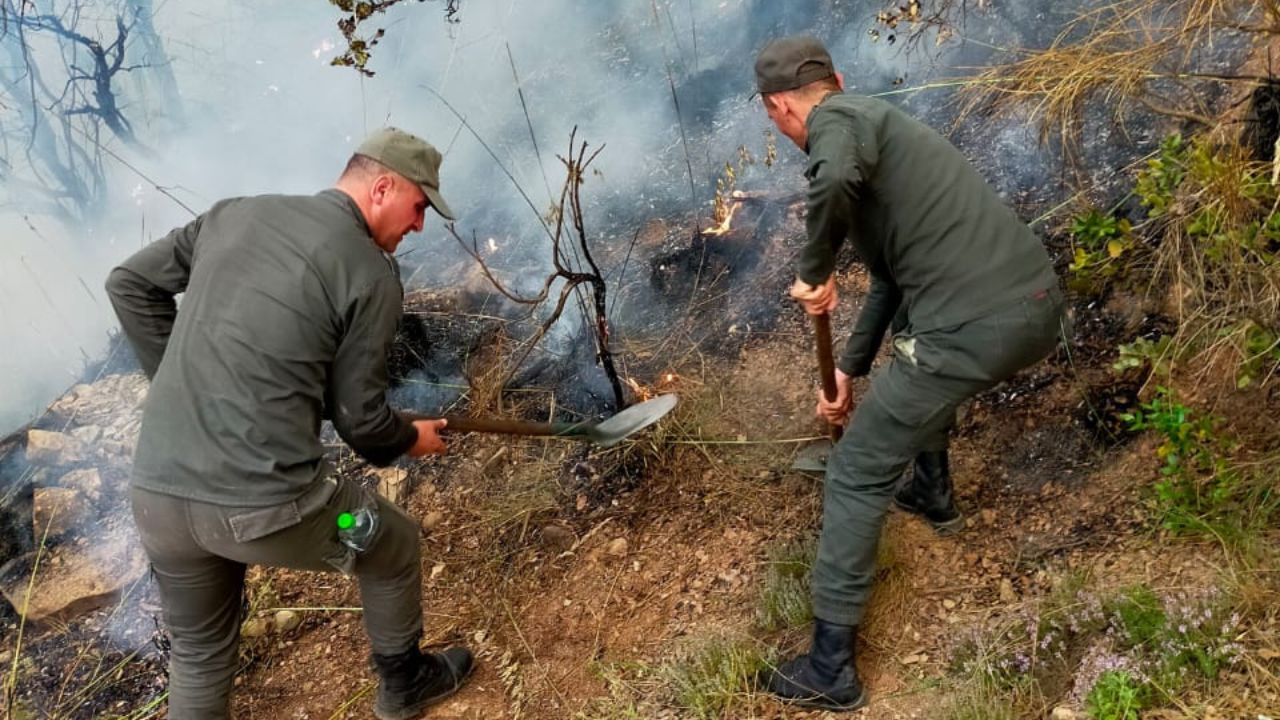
x: 412, y: 680
x: 825, y: 678
x: 927, y: 492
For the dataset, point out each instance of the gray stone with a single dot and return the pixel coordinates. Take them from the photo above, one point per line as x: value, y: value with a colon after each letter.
x: 87, y: 435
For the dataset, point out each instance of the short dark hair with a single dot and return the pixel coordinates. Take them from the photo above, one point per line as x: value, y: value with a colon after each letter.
x: 810, y: 91
x: 824, y: 85
x: 363, y: 166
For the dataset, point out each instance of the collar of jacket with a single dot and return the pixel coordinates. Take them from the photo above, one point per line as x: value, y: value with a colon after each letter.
x: 349, y: 203
x: 809, y: 118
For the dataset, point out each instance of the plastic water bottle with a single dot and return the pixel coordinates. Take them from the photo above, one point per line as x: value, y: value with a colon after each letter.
x: 357, y: 527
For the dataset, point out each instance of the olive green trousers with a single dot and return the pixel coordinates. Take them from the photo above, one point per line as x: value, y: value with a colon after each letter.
x: 199, y: 553
x: 909, y: 407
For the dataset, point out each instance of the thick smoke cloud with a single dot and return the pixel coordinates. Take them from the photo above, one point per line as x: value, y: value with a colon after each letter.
x: 265, y: 112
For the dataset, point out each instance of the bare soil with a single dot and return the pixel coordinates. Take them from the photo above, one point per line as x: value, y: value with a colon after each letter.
x: 572, y: 570
x: 620, y: 557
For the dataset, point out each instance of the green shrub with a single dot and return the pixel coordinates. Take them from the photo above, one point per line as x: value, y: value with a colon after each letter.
x: 1140, y: 617
x: 1197, y: 484
x: 1118, y: 695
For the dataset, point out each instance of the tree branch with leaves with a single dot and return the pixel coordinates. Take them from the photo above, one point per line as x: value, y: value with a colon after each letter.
x: 360, y: 46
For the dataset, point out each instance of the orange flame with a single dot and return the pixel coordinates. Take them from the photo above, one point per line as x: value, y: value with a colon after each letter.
x: 642, y: 393
x: 723, y: 227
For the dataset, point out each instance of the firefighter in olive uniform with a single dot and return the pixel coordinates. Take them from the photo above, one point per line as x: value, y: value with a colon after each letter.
x: 972, y: 298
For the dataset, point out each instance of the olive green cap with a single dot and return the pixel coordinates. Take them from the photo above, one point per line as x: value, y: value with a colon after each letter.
x: 412, y: 157
x: 791, y: 62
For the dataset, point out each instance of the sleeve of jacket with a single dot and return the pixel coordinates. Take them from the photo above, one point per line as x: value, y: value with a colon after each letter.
x: 360, y: 412
x: 878, y: 310
x: 143, y: 292
x: 835, y: 178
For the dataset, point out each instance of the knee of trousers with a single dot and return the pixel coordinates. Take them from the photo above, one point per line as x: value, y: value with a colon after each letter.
x: 866, y: 465
x: 398, y: 550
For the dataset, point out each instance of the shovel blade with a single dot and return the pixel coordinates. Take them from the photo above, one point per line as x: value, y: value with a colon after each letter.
x: 813, y: 458
x: 611, y: 431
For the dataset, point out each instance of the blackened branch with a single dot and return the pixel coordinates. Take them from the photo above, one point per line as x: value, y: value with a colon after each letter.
x: 107, y: 63
x: 569, y: 206
x: 577, y: 168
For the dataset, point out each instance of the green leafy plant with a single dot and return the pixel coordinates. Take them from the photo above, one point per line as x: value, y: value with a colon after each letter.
x: 1196, y: 479
x: 1187, y: 438
x: 1118, y: 695
x: 1157, y: 185
x: 1099, y: 239
x: 1156, y: 354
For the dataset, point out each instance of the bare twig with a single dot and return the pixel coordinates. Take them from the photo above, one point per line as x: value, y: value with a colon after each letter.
x: 675, y: 101
x: 568, y: 206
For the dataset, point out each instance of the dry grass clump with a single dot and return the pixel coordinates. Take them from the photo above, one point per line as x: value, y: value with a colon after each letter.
x: 1146, y: 53
x: 1216, y: 231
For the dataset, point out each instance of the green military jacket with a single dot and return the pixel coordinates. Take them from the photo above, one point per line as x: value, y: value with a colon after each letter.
x: 938, y: 241
x: 288, y: 313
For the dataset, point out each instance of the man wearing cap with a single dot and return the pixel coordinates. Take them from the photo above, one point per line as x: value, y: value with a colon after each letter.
x: 290, y: 306
x: 975, y: 300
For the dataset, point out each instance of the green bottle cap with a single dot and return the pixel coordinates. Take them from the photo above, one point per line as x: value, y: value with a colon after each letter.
x: 346, y: 520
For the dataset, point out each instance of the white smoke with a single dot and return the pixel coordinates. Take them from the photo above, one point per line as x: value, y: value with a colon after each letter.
x: 265, y: 112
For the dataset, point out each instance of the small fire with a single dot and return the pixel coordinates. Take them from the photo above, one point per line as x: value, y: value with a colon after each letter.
x: 661, y: 384
x: 723, y: 227
x: 642, y: 393
x: 493, y: 245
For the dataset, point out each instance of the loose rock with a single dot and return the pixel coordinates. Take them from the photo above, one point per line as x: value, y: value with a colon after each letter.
x: 287, y: 620
x: 1007, y: 593
x: 559, y: 538
x: 255, y: 627
x: 433, y: 520
x: 393, y: 483
x: 87, y: 481
x: 58, y: 509
x: 46, y: 447
x: 87, y: 434
x: 617, y: 547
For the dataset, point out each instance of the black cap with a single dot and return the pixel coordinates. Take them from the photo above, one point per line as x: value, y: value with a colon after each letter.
x: 791, y: 62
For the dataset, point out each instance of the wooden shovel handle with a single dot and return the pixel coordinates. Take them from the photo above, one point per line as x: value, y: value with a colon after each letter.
x: 514, y: 427
x: 826, y: 364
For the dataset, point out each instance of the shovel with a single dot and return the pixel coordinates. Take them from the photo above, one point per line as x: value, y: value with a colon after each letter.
x: 814, y: 457
x: 605, y: 433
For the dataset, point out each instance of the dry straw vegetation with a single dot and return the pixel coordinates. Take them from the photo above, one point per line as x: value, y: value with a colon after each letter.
x: 1126, y: 54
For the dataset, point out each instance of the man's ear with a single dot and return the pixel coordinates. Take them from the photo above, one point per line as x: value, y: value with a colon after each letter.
x: 779, y: 103
x: 380, y: 188
x: 840, y: 81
